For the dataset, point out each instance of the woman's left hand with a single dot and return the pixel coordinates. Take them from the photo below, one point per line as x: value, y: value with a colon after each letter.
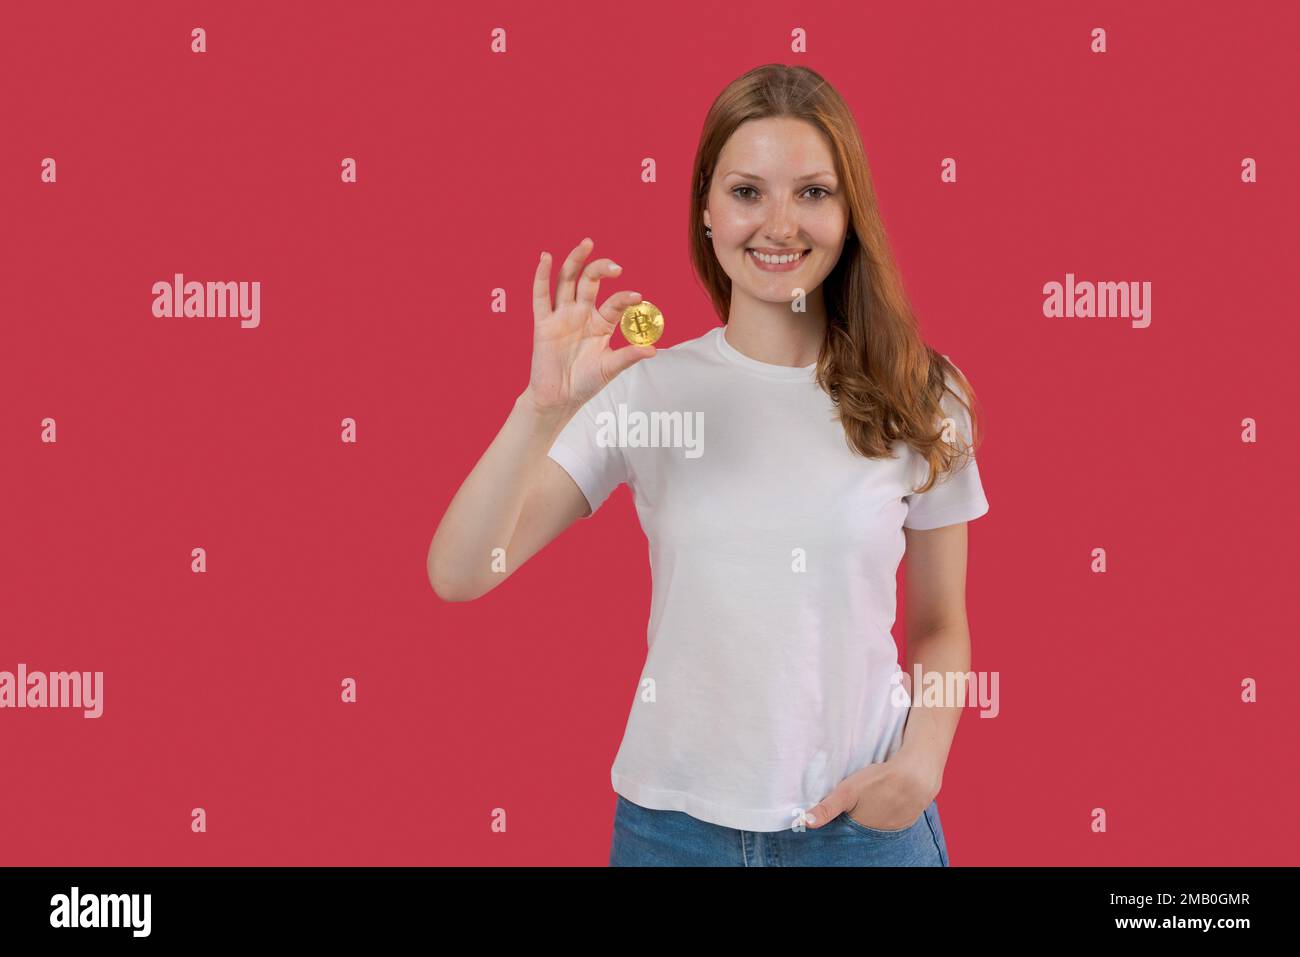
x: 888, y: 796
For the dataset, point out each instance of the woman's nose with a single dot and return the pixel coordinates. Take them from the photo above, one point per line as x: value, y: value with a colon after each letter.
x: 781, y: 223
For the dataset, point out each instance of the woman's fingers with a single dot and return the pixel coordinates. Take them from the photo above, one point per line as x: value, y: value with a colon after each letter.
x: 614, y: 307
x: 542, y: 288
x: 578, y: 284
x: 589, y: 284
x: 616, y: 360
x: 566, y: 290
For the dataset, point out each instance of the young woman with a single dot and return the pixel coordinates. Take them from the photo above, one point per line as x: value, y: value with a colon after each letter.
x: 820, y: 438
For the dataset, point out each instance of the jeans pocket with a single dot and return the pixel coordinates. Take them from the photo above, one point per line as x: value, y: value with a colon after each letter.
x: 879, y: 832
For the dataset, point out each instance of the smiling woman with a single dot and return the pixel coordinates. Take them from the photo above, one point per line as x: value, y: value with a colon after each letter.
x: 774, y: 207
x: 764, y: 728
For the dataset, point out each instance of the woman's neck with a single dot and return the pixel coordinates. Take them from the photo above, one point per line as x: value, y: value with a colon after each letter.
x: 773, y: 332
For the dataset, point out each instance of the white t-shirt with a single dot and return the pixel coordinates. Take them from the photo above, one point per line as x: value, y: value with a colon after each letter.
x: 774, y: 550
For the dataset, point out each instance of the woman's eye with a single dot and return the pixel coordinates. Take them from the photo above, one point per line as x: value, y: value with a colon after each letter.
x: 740, y: 192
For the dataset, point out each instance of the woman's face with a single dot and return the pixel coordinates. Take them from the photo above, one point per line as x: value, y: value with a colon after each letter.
x: 774, y: 190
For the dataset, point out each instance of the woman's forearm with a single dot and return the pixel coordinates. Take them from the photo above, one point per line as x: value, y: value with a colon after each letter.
x: 928, y: 735
x: 485, y: 510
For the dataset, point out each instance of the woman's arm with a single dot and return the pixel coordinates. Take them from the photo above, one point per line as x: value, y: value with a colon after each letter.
x: 515, y: 498
x: 938, y: 639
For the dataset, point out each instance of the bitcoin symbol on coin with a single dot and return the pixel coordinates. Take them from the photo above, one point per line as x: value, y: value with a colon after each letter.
x: 642, y: 324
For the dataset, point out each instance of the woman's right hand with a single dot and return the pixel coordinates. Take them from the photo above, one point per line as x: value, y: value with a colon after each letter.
x: 572, y: 360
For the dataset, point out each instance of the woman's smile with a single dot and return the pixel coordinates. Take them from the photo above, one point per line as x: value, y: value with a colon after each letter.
x: 777, y: 260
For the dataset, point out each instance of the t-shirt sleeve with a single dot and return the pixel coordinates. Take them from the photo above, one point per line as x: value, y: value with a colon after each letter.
x: 584, y: 448
x: 956, y: 496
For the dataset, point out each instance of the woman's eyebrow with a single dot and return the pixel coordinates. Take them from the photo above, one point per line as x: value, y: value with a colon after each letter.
x: 760, y: 179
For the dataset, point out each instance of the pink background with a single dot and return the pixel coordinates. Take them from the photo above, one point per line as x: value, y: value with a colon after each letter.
x: 222, y: 690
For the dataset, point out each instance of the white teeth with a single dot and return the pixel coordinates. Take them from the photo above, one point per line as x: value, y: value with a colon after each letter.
x: 775, y: 260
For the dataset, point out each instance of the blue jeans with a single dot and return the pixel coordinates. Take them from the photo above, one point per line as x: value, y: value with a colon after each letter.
x: 646, y: 837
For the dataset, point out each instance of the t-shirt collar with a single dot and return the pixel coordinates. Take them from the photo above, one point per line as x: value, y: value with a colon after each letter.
x: 768, y: 369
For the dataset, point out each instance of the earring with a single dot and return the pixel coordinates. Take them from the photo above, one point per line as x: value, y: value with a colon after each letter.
x: 708, y: 231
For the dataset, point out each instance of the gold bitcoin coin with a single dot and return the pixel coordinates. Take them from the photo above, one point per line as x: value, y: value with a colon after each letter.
x: 642, y: 324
